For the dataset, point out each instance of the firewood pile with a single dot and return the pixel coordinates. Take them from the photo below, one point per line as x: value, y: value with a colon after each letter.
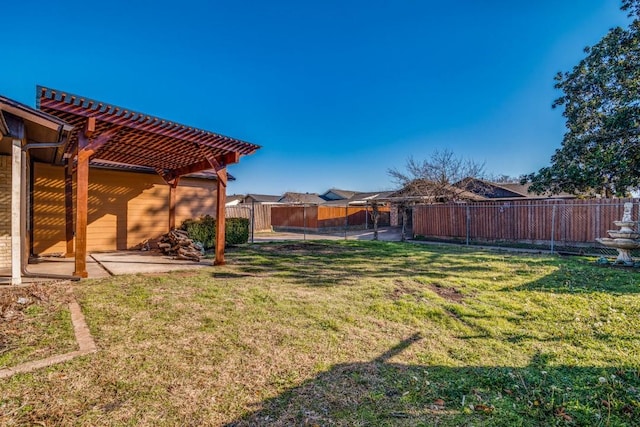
x: 177, y: 243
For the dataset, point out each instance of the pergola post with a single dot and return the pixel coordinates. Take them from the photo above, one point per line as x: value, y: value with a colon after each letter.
x: 68, y: 206
x: 173, y: 188
x: 16, y: 197
x: 221, y: 199
x: 82, y: 208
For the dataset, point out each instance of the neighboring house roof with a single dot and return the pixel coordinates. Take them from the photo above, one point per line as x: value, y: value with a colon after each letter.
x: 309, y: 198
x: 261, y: 198
x: 234, y: 199
x: 516, y: 187
x: 336, y: 194
x: 422, y: 190
x: 488, y: 189
x: 361, y: 198
x: 507, y: 190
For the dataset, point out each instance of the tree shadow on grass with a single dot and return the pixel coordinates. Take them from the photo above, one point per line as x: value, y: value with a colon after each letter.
x: 382, y: 393
x: 320, y: 263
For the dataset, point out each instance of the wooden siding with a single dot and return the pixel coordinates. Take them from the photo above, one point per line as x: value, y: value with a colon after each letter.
x: 125, y: 208
x: 563, y: 221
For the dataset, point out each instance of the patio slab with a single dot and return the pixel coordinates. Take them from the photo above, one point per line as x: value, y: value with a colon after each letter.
x: 101, y: 265
x: 132, y: 262
x: 47, y: 266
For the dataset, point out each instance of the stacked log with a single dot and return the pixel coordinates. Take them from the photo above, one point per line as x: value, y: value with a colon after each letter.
x: 177, y: 244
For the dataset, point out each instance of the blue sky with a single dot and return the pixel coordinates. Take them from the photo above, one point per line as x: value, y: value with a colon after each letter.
x: 336, y: 92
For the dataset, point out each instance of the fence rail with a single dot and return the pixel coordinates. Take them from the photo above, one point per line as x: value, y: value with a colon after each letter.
x: 558, y: 224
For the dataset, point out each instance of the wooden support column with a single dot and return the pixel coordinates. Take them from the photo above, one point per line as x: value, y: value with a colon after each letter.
x: 221, y: 199
x: 173, y: 188
x: 82, y: 209
x: 88, y: 144
x: 68, y: 206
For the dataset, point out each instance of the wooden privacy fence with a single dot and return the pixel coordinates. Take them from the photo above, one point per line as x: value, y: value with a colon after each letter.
x: 259, y: 214
x: 326, y: 217
x: 550, y: 222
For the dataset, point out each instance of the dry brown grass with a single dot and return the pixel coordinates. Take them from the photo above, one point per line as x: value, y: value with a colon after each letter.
x: 34, y: 323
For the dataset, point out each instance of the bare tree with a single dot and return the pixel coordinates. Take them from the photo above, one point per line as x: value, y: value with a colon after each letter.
x: 441, y: 178
x: 504, y: 179
x: 375, y: 216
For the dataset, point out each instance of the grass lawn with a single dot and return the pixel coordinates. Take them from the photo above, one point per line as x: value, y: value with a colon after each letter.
x: 351, y: 334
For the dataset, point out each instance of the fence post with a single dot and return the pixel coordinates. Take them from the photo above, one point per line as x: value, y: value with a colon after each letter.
x: 366, y: 215
x: 553, y: 225
x: 346, y: 220
x: 253, y: 219
x: 304, y: 222
x: 468, y: 223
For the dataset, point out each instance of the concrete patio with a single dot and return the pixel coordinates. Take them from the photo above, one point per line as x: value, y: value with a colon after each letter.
x: 106, y: 264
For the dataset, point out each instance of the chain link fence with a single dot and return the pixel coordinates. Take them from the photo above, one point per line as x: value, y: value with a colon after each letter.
x: 562, y: 226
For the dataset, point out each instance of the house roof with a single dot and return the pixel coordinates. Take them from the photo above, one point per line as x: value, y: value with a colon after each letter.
x: 360, y: 198
x: 263, y: 198
x: 43, y: 131
x: 516, y: 187
x: 341, y: 194
x: 140, y: 139
x: 413, y: 192
x: 508, y: 190
x: 234, y: 199
x: 310, y: 198
x: 488, y: 189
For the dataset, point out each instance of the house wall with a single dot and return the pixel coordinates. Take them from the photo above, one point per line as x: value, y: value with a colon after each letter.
x: 125, y: 208
x: 5, y: 211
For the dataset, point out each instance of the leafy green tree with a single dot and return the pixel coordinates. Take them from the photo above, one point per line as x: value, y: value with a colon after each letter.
x: 600, y: 152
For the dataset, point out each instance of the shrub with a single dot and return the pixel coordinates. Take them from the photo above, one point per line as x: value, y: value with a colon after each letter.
x: 236, y: 231
x: 203, y: 230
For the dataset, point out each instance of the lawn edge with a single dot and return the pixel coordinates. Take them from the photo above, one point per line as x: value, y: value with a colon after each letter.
x: 86, y: 344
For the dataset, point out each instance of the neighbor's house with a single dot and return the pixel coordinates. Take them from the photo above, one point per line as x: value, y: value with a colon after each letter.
x: 265, y: 199
x: 234, y: 199
x: 301, y: 198
x: 492, y: 191
x: 79, y: 175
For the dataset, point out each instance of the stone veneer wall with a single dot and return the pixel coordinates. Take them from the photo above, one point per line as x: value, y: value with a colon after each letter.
x: 5, y: 211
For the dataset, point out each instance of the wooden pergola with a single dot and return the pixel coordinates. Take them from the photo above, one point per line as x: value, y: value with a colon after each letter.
x: 114, y: 134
